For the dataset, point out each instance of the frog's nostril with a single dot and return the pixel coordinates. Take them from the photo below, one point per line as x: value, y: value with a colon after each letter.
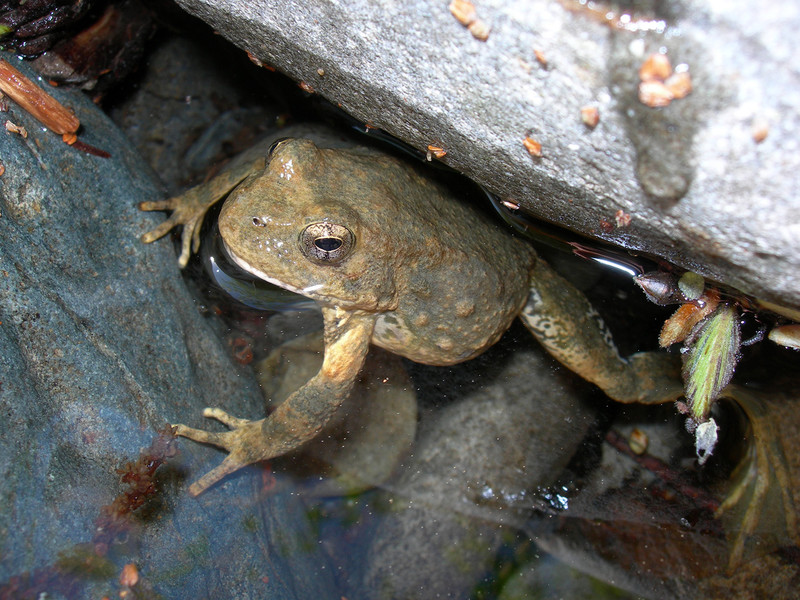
x: 259, y: 222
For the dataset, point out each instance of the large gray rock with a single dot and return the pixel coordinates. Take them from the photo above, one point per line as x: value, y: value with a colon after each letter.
x: 701, y: 192
x: 100, y: 346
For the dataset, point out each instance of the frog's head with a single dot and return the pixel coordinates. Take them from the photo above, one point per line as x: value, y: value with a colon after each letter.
x: 300, y: 224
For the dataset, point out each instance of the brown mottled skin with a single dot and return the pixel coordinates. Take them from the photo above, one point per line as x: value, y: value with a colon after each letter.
x: 424, y: 276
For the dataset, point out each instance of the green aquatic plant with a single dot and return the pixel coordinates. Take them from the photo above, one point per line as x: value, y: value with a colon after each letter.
x: 710, y: 357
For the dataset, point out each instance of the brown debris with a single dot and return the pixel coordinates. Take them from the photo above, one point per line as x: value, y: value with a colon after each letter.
x: 434, y: 151
x: 680, y: 84
x: 659, y: 84
x: 683, y: 320
x: 533, y: 147
x: 638, y: 441
x: 464, y: 12
x: 242, y: 349
x: 46, y: 109
x: 590, y: 116
x: 18, y: 129
x: 306, y: 87
x: 622, y: 219
x: 655, y: 94
x: 759, y: 129
x: 129, y: 576
x: 656, y: 67
x: 479, y: 30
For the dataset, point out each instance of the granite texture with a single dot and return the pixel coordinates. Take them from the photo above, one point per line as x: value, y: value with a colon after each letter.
x: 700, y: 191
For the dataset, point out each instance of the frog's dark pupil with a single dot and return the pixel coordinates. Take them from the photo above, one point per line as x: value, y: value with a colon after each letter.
x: 328, y: 244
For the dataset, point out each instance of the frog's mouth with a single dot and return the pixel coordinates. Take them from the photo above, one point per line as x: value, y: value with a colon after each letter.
x: 247, y: 267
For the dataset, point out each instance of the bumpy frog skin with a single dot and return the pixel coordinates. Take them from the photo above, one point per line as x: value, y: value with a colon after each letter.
x: 394, y: 260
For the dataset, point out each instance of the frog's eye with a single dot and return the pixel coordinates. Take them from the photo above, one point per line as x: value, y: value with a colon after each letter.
x: 274, y: 146
x: 326, y: 243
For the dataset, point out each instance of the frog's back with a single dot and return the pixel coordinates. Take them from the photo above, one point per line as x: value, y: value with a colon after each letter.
x: 461, y: 278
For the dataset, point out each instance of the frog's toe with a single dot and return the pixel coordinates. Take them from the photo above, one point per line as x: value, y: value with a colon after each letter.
x: 224, y: 418
x: 156, y: 205
x: 158, y: 232
x: 228, y: 466
x: 202, y: 436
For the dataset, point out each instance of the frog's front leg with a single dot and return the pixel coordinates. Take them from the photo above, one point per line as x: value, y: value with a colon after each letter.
x: 303, y: 414
x: 189, y: 208
x: 570, y: 329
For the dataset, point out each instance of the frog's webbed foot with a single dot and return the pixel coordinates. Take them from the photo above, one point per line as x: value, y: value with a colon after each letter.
x: 189, y: 208
x: 303, y: 414
x: 758, y: 508
x: 245, y: 444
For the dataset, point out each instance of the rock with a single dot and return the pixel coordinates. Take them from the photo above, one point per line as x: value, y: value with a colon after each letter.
x: 202, y: 107
x: 481, y: 459
x: 100, y: 346
x: 701, y: 191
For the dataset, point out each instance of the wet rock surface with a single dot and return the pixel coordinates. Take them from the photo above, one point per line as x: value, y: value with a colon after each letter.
x: 700, y: 190
x: 100, y: 346
x: 482, y: 458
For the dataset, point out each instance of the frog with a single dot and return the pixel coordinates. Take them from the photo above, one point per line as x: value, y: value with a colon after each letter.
x: 397, y: 260
x: 394, y: 259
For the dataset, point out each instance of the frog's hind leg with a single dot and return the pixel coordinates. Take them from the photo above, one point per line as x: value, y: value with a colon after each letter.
x: 301, y: 416
x: 570, y: 329
x: 758, y: 510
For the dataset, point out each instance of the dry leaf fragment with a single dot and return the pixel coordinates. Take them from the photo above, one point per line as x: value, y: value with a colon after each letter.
x: 638, y: 441
x: 435, y: 152
x: 533, y: 147
x: 683, y: 320
x: 46, y: 109
x: 540, y: 57
x: 679, y: 83
x: 656, y: 67
x: 659, y: 85
x: 590, y: 116
x: 510, y: 204
x: 759, y: 129
x: 785, y: 335
x: 2, y: 169
x: 654, y: 94
x: 479, y: 30
x: 463, y: 11
x: 129, y: 576
x: 18, y: 129
x: 306, y: 87
x: 254, y: 59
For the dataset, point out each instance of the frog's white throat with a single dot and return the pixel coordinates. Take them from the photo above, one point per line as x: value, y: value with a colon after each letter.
x: 309, y: 291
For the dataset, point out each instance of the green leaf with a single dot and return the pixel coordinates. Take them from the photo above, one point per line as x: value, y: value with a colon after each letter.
x: 709, y: 363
